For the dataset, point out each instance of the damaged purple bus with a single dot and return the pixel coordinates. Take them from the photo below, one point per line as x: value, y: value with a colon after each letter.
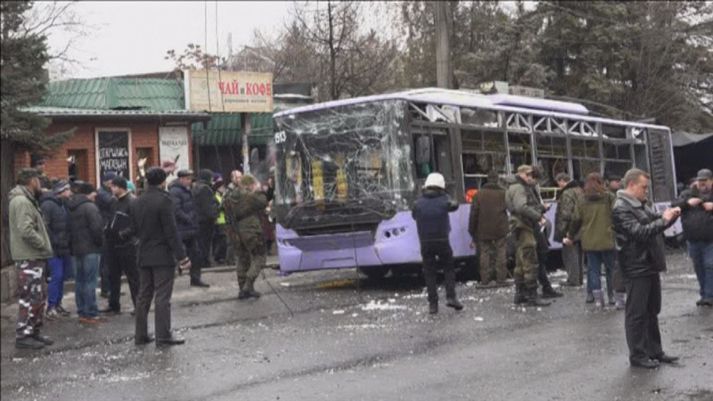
x: 348, y: 171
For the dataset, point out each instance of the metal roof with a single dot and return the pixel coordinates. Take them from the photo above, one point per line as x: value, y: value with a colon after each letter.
x: 535, y: 106
x: 224, y: 129
x: 116, y: 93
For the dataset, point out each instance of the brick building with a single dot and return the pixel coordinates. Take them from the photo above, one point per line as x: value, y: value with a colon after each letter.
x: 115, y: 122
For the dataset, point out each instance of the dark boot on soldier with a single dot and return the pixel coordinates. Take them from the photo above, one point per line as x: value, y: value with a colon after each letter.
x: 241, y: 283
x: 533, y: 299
x: 249, y: 288
x: 43, y: 339
x: 519, y: 295
x: 549, y: 292
x: 454, y: 303
x: 28, y: 343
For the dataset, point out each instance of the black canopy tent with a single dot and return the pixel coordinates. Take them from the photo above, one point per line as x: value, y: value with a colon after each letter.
x: 692, y: 152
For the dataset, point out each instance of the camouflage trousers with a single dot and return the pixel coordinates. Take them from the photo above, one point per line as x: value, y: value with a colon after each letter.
x: 32, y: 294
x: 250, y: 251
x: 493, y: 260
x: 526, y: 264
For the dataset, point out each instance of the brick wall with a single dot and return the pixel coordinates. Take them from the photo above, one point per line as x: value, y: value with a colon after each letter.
x: 143, y: 135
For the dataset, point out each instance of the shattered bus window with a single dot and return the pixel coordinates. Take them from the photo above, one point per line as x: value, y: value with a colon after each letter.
x: 348, y: 165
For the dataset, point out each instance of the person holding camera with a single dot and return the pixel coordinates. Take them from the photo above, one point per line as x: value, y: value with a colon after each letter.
x: 639, y: 239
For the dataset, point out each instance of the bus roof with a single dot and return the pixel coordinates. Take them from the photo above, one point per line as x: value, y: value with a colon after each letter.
x: 512, y: 103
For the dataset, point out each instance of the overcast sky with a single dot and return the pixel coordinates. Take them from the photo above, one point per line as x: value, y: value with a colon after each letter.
x: 133, y: 37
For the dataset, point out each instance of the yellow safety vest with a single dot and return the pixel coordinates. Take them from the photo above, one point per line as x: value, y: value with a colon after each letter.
x: 220, y: 220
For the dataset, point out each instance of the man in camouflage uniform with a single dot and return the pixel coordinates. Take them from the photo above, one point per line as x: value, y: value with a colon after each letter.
x: 234, y: 185
x: 242, y: 208
x: 526, y: 215
x: 30, y: 249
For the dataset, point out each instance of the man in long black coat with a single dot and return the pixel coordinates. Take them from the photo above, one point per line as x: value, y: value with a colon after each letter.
x: 154, y: 223
x: 207, y: 209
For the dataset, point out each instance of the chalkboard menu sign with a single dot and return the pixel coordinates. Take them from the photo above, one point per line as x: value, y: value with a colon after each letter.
x: 113, y: 153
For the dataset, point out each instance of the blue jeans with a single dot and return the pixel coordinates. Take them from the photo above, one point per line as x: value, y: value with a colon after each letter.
x: 58, y: 266
x: 87, y: 272
x: 594, y: 268
x: 702, y: 254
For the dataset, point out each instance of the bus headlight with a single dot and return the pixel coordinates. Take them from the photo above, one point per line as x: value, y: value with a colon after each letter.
x: 394, y: 232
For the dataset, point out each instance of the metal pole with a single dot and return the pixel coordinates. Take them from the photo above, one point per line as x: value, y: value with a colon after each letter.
x: 245, y: 128
x: 444, y: 77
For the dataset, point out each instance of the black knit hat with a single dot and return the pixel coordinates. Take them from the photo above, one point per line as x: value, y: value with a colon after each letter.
x: 206, y: 175
x: 86, y: 188
x: 155, y: 176
x: 119, y: 181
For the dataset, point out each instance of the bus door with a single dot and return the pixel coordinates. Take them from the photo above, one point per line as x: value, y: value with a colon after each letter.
x: 433, y: 154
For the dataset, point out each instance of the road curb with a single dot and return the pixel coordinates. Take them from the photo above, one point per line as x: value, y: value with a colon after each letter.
x: 8, y: 279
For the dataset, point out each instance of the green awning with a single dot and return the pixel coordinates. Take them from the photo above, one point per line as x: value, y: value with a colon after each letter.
x: 223, y: 129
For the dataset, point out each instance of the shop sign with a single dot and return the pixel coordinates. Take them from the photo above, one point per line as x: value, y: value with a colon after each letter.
x: 228, y: 91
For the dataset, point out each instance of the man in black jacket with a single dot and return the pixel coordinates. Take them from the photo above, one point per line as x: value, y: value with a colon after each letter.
x: 206, y: 211
x: 121, y: 252
x: 87, y: 229
x: 56, y: 216
x: 639, y: 240
x: 697, y: 217
x: 104, y: 199
x: 153, y: 221
x: 187, y: 222
x: 431, y: 214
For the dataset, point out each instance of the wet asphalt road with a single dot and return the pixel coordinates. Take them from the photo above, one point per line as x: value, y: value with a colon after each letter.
x: 351, y: 339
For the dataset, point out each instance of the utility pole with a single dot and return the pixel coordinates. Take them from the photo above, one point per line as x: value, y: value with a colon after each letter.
x: 444, y: 70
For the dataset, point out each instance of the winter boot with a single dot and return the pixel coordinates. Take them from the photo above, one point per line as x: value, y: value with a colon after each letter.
x: 532, y: 299
x: 620, y: 300
x: 590, y: 298
x: 610, y: 296
x: 520, y: 297
x: 599, y: 297
x: 249, y: 288
x: 453, y: 303
x: 549, y: 292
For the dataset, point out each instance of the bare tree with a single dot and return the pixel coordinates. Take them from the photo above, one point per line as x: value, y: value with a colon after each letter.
x: 51, y: 18
x: 325, y: 43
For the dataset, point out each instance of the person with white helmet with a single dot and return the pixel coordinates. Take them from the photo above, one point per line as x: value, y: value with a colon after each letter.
x: 431, y: 214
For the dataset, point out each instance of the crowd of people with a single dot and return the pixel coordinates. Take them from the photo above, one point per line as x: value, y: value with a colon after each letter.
x: 62, y: 229
x: 606, y: 223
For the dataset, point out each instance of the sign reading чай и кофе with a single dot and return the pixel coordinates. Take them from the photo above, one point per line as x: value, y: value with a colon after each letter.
x: 229, y: 91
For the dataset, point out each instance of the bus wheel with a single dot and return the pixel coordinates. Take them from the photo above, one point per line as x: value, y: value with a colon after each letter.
x: 375, y: 273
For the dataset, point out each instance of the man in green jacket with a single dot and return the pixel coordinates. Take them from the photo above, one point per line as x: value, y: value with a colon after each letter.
x: 30, y: 249
x: 526, y: 216
x: 243, y: 207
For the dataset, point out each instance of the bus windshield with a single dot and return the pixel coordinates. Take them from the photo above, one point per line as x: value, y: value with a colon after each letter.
x: 342, y: 166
